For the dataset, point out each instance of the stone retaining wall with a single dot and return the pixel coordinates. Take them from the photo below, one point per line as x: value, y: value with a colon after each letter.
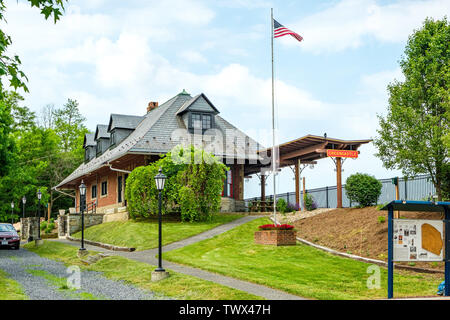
x: 71, y: 223
x: 29, y: 226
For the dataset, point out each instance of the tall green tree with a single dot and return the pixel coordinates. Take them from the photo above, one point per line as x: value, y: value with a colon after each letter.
x: 39, y: 157
x: 6, y: 128
x: 411, y: 135
x: 69, y: 126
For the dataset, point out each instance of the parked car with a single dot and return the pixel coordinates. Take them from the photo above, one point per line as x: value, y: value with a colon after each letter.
x: 8, y: 236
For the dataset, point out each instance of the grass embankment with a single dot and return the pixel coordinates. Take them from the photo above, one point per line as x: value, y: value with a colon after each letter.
x: 10, y: 289
x: 300, y: 269
x: 143, y: 235
x: 178, y: 286
x: 360, y: 231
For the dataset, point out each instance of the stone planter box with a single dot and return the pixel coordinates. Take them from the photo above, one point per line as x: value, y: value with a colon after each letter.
x: 276, y: 237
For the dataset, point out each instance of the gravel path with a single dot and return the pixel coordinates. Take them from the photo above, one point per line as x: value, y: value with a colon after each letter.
x: 148, y: 256
x: 20, y: 265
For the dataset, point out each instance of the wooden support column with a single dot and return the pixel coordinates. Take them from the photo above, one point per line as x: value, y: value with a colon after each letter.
x: 263, y: 187
x: 339, y: 181
x: 304, y: 194
x: 297, y: 184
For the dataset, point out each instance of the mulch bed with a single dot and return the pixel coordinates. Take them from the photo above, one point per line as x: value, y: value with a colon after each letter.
x: 357, y: 231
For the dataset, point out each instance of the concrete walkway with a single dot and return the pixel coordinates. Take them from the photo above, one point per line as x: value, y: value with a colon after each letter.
x: 148, y: 256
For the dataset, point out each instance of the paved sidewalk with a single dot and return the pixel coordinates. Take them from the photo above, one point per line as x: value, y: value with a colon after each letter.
x: 148, y: 256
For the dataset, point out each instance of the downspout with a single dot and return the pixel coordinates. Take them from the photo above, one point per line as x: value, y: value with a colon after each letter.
x: 118, y: 170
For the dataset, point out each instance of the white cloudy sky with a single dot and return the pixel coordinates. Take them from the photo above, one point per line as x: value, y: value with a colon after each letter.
x: 115, y: 56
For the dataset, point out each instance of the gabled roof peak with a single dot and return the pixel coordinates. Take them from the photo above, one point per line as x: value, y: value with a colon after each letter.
x: 190, y: 103
x: 101, y: 132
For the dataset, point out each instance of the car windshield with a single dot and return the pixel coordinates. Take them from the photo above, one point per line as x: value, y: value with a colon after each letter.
x: 6, y: 228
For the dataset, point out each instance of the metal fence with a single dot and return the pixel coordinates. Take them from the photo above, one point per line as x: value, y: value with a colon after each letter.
x: 417, y: 188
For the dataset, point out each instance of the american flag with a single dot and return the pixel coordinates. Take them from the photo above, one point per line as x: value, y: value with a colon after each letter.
x: 279, y: 31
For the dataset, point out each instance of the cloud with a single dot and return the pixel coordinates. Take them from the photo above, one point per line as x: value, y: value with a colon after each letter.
x: 353, y: 23
x: 192, y: 56
x: 251, y: 4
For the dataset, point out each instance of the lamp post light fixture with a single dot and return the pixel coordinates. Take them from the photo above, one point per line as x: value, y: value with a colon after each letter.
x: 39, y: 196
x: 24, y: 201
x: 12, y: 212
x: 159, y: 272
x: 82, y: 201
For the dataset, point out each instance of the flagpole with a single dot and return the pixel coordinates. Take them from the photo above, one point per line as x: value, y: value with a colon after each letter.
x: 273, y: 129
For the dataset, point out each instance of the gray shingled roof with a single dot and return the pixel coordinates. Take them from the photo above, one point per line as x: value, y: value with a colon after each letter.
x: 123, y: 121
x: 153, y: 135
x: 89, y: 140
x: 102, y: 132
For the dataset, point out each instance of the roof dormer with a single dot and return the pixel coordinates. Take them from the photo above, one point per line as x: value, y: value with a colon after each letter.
x: 102, y: 138
x: 198, y: 113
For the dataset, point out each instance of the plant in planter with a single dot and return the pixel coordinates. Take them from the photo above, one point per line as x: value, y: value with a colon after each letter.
x: 282, y: 206
x: 278, y: 235
x: 293, y: 207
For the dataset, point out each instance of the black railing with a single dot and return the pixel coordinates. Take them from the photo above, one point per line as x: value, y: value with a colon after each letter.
x: 90, y: 207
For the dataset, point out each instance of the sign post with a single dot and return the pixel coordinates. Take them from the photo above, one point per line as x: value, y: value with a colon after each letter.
x: 418, y: 240
x: 390, y: 252
x: 342, y: 153
x: 447, y: 251
x: 339, y: 154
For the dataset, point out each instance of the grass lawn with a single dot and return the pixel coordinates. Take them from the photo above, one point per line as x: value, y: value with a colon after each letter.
x: 10, y: 289
x: 178, y: 286
x: 300, y: 270
x: 143, y: 235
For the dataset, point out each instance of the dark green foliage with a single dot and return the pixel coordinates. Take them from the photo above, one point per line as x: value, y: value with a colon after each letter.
x: 192, y: 188
x: 363, y: 189
x: 37, y: 160
x: 21, y: 171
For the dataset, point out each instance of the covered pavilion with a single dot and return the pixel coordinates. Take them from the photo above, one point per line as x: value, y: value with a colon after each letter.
x: 305, y: 151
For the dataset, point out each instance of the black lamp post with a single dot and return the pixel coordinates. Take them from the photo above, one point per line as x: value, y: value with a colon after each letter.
x: 39, y: 195
x: 160, y: 179
x: 24, y: 200
x: 82, y: 201
x: 12, y: 212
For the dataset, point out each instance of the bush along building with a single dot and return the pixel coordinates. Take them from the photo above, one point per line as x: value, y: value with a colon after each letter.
x: 127, y: 142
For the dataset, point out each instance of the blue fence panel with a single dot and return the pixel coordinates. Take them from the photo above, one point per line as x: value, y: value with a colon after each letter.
x: 418, y: 188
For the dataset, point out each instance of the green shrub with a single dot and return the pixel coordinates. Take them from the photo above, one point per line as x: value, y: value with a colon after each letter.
x: 204, y: 179
x: 381, y: 219
x: 363, y: 189
x: 281, y: 206
x: 310, y: 204
x: 192, y: 187
x: 43, y: 225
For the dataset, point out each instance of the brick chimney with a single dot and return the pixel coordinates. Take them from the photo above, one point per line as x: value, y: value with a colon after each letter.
x: 152, y: 105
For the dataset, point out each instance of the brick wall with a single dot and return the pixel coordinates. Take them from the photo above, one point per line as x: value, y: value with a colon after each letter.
x: 110, y: 200
x: 276, y: 237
